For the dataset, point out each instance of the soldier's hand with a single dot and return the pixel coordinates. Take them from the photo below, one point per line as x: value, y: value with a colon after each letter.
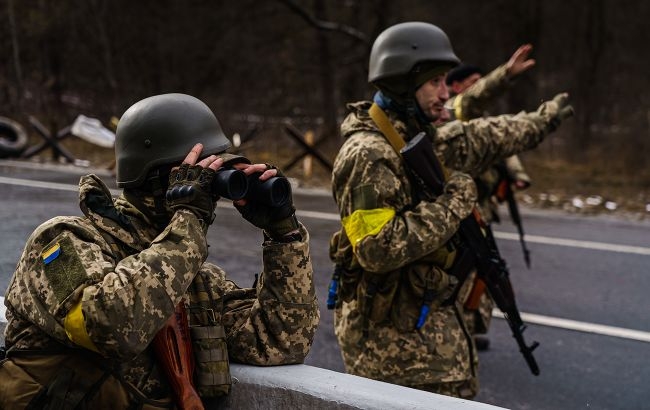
x: 519, y: 62
x: 556, y: 110
x: 189, y: 185
x: 461, y: 190
x: 276, y: 219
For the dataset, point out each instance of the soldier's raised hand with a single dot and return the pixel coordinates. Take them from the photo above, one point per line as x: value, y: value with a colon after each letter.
x: 190, y: 185
x: 519, y: 61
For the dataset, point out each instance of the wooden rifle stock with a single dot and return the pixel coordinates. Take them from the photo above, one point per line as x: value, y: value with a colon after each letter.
x: 173, y: 348
x: 474, y: 298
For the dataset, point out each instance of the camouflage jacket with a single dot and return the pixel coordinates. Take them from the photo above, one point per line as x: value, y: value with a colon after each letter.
x: 126, y: 278
x: 402, y: 250
x: 474, y: 103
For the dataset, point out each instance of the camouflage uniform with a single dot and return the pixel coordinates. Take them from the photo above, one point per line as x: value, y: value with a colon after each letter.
x: 126, y: 277
x: 471, y: 104
x: 403, y: 252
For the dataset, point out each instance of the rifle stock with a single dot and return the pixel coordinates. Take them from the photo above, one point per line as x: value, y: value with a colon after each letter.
x: 478, y: 242
x: 173, y: 348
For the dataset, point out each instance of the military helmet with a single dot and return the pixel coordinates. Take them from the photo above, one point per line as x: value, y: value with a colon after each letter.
x: 161, y: 130
x: 405, y: 47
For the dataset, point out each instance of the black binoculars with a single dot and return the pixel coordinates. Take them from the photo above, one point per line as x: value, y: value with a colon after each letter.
x: 234, y: 184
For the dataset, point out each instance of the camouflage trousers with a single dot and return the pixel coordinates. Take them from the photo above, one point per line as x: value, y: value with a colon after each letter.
x: 440, y: 357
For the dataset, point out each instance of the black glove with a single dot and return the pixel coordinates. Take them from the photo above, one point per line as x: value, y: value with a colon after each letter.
x: 189, y: 188
x: 276, y: 220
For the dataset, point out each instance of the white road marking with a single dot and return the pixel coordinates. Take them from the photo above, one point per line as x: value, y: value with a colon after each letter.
x: 600, y: 246
x: 46, y: 185
x: 568, y: 324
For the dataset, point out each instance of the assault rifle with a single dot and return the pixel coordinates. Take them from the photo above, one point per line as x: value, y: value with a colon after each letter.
x: 477, y: 245
x: 505, y: 193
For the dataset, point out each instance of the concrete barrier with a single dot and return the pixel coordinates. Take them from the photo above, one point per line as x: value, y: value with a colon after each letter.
x: 307, y: 387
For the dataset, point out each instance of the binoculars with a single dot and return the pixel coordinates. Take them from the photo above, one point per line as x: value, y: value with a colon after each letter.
x: 234, y: 184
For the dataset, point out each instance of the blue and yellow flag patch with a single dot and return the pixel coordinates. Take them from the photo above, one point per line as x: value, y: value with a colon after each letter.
x: 51, y: 253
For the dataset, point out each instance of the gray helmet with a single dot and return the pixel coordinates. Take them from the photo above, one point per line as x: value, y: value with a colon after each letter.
x: 401, y: 48
x: 161, y: 130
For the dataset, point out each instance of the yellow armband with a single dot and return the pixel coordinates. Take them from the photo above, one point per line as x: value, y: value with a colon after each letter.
x: 458, y: 108
x: 75, y: 328
x: 365, y: 222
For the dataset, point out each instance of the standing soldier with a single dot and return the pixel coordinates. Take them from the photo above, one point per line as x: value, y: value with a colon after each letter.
x: 90, y: 293
x: 396, y: 319
x: 470, y: 95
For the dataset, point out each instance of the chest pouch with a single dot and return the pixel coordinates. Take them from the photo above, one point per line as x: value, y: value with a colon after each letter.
x: 212, y: 371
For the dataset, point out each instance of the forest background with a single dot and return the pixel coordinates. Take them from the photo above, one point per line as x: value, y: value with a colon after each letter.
x: 263, y: 64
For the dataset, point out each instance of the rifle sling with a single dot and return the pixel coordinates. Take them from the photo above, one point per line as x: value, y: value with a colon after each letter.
x: 383, y: 123
x: 390, y: 133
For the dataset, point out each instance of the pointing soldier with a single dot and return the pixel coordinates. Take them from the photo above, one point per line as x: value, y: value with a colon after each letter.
x: 392, y: 254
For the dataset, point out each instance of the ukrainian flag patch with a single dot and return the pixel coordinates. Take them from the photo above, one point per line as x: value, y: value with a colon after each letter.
x: 51, y: 253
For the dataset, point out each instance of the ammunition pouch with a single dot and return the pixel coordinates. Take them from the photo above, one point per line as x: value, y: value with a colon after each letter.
x: 421, y: 285
x: 212, y: 368
x: 212, y: 372
x: 399, y: 296
x: 348, y: 284
x: 376, y: 293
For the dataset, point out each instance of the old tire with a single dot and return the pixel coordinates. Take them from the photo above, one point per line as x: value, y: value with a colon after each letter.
x: 13, y: 138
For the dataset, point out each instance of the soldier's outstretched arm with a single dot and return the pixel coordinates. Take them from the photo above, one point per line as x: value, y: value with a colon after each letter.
x: 475, y: 145
x: 474, y: 101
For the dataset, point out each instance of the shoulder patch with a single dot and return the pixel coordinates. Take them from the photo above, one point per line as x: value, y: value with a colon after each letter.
x: 364, y: 197
x: 65, y: 271
x: 51, y: 253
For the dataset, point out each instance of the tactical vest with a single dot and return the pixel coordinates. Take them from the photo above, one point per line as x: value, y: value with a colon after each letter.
x: 404, y: 296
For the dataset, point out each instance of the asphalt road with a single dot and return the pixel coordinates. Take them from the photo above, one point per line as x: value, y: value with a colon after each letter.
x: 584, y: 297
